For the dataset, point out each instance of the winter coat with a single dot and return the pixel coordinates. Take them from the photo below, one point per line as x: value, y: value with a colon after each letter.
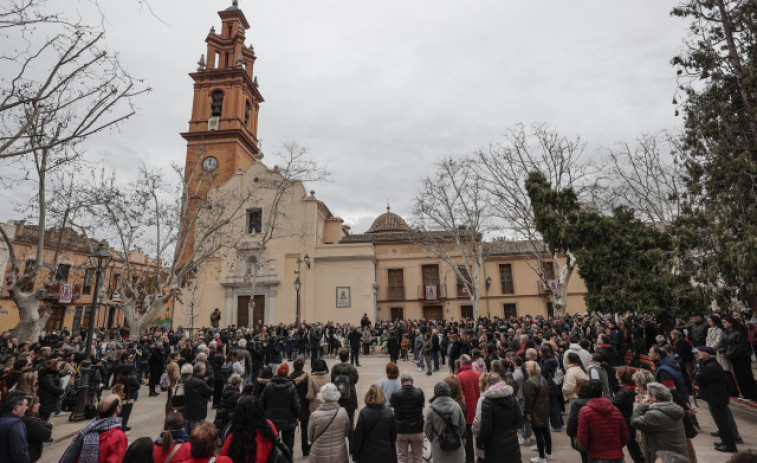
x: 572, y: 374
x: 375, y: 435
x: 301, y: 380
x: 49, y: 391
x: 174, y: 372
x: 315, y: 383
x: 582, y: 353
x: 624, y: 400
x: 500, y: 417
x: 393, y: 346
x: 548, y: 369
x: 156, y: 362
x: 37, y: 433
x: 351, y: 371
x: 736, y: 344
x: 661, y: 425
x: 698, y: 333
x: 280, y: 402
x: 13, y: 440
x: 479, y: 365
x: 571, y: 429
x: 602, y: 431
x: 229, y: 398
x: 196, y: 395
x: 408, y: 409
x: 182, y: 455
x: 711, y: 380
x: 440, y: 408
x: 715, y: 340
x: 327, y: 440
x: 536, y: 400
x: 468, y: 378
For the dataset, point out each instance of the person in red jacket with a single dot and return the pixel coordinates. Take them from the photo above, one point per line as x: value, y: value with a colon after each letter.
x: 173, y: 443
x: 252, y: 435
x: 102, y: 440
x: 468, y: 378
x: 602, y: 431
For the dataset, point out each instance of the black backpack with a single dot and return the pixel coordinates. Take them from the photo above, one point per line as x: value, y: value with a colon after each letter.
x: 449, y: 438
x: 342, y: 383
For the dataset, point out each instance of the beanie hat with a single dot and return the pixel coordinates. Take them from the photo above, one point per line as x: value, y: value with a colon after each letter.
x: 441, y: 389
x: 283, y: 369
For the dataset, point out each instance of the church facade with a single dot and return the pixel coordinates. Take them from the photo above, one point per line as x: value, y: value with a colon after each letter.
x: 309, y: 266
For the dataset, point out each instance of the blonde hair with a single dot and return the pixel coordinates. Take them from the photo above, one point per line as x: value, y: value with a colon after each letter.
x: 532, y: 368
x: 375, y: 396
x: 26, y: 382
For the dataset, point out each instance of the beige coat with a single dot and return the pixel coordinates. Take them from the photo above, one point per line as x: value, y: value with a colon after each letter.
x: 572, y: 374
x: 330, y: 445
x: 315, y: 383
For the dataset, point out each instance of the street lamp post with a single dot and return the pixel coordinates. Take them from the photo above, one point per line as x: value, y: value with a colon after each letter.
x: 100, y: 259
x: 298, y: 283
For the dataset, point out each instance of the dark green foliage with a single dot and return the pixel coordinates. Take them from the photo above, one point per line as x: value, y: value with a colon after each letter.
x: 718, y: 74
x: 627, y: 265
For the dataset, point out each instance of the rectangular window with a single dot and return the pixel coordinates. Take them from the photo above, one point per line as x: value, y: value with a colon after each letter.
x: 466, y: 311
x: 430, y: 274
x: 396, y: 289
x: 61, y: 275
x: 254, y: 220
x: 506, y: 279
x: 397, y: 314
x: 510, y: 310
x: 87, y: 286
x: 550, y: 310
x: 462, y: 290
x: 549, y: 270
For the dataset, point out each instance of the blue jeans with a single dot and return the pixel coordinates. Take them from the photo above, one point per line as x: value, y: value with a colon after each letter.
x: 525, y: 430
x: 555, y: 417
x: 191, y: 425
x: 428, y: 363
x: 436, y: 361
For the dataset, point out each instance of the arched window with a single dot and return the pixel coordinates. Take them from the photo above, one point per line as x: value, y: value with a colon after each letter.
x: 246, y: 113
x: 216, y: 104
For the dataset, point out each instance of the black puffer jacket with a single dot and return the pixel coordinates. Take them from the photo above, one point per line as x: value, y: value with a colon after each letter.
x: 37, y: 433
x: 49, y: 390
x: 408, y: 409
x: 623, y: 400
x: 500, y: 417
x: 375, y: 435
x: 280, y: 402
x: 229, y: 398
x: 196, y: 395
x: 571, y: 428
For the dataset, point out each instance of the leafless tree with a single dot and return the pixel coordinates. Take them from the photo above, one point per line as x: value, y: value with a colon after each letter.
x: 647, y: 178
x: 505, y: 166
x: 58, y: 74
x: 451, y: 213
x: 173, y: 223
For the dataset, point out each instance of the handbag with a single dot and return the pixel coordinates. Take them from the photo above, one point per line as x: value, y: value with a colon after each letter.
x: 165, y: 381
x: 279, y: 452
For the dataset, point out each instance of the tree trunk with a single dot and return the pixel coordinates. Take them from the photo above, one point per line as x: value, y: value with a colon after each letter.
x: 28, y: 328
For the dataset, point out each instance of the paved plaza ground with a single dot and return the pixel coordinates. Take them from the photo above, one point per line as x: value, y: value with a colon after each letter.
x: 148, y: 413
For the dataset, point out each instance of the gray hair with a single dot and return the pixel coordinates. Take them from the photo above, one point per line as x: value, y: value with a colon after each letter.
x: 199, y: 368
x: 406, y: 378
x: 465, y: 359
x: 187, y: 369
x: 329, y: 394
x: 201, y: 357
x: 659, y: 391
x: 642, y: 377
x: 242, y: 343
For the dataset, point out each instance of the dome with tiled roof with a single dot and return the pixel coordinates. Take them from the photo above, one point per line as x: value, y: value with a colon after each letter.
x: 388, y: 222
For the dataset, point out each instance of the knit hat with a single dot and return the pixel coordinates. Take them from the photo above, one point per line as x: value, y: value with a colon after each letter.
x: 441, y: 389
x: 283, y: 369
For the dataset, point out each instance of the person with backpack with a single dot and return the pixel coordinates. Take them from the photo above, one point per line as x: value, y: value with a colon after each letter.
x: 445, y: 426
x: 345, y: 377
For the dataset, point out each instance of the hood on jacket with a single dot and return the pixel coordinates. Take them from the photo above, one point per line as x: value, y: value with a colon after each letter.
x: 498, y: 391
x: 601, y: 405
x: 444, y: 405
x: 281, y: 383
x: 575, y: 348
x: 673, y: 410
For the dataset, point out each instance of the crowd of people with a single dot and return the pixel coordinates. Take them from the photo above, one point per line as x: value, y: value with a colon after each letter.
x: 608, y: 382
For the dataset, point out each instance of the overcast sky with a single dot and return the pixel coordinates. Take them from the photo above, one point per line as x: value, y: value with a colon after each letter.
x: 379, y: 90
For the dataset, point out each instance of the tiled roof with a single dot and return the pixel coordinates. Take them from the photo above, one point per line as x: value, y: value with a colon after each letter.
x: 69, y: 240
x: 389, y: 222
x: 505, y: 248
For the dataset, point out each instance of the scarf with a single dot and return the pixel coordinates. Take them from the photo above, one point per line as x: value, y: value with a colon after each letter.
x: 178, y: 435
x: 86, y: 445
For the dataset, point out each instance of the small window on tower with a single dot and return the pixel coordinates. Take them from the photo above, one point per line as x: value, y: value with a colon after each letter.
x: 246, y: 113
x: 216, y: 105
x: 254, y: 220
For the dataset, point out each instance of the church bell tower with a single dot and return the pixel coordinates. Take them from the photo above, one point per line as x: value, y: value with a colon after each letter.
x: 223, y: 130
